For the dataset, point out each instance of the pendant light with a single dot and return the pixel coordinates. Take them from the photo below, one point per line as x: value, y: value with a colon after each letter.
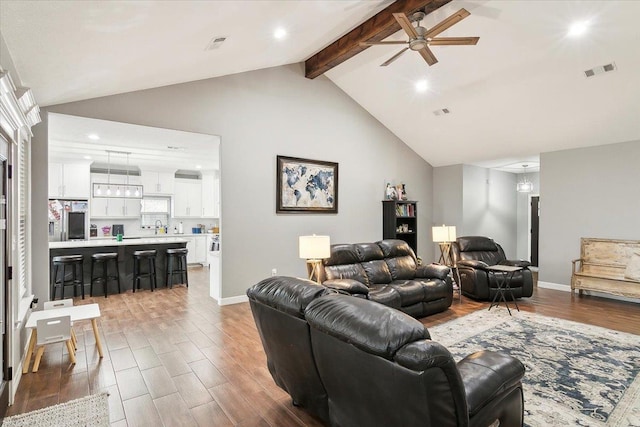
x: 524, y: 186
x: 108, y: 173
x: 127, y: 192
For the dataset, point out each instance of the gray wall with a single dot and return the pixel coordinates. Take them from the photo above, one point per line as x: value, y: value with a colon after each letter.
x: 259, y: 115
x: 489, y: 205
x: 447, y: 199
x: 523, y: 214
x: 588, y: 192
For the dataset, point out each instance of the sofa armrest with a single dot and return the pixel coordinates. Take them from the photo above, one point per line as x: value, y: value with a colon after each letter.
x: 473, y: 263
x: 516, y: 262
x: 432, y: 271
x: 347, y: 285
x: 486, y: 375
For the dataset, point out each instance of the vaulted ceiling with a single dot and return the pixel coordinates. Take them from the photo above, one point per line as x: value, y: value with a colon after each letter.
x: 520, y: 91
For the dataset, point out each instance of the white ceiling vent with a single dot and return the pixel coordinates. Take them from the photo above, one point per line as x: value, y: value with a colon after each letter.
x: 601, y: 69
x: 442, y: 112
x: 215, y: 43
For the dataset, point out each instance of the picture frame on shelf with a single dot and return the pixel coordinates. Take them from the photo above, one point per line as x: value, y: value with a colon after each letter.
x: 306, y: 186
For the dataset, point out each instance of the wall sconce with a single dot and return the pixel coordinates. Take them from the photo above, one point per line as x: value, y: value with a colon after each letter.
x: 314, y: 249
x: 444, y: 235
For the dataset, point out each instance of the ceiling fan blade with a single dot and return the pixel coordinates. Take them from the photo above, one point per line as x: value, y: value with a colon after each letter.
x: 394, y: 57
x: 449, y: 41
x: 450, y: 21
x: 405, y: 23
x: 377, y: 43
x: 428, y: 55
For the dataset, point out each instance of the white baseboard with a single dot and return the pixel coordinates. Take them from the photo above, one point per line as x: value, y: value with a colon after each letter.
x: 556, y: 286
x: 567, y: 288
x: 233, y: 300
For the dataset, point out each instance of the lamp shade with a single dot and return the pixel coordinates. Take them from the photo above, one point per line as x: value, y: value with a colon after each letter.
x: 444, y: 233
x: 314, y: 247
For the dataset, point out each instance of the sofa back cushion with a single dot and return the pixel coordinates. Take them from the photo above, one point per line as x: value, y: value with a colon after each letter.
x: 344, y: 263
x: 373, y: 328
x: 400, y: 258
x: 478, y: 248
x: 287, y: 294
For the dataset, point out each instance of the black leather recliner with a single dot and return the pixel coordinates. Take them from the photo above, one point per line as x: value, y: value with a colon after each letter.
x: 473, y: 254
x: 374, y: 365
x: 278, y: 305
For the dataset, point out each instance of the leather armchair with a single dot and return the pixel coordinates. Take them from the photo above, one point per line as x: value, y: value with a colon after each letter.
x: 380, y: 368
x: 278, y: 305
x: 473, y: 254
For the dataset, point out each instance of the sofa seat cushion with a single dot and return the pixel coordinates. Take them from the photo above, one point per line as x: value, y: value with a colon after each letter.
x: 436, y: 289
x: 410, y: 291
x: 385, y: 294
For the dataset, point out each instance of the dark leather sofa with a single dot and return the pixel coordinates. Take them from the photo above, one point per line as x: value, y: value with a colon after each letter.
x: 352, y: 362
x: 388, y: 272
x: 473, y: 254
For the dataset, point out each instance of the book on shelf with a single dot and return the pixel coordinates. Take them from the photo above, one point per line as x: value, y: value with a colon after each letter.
x: 405, y: 210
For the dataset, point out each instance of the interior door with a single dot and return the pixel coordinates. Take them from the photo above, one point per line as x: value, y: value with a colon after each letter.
x: 535, y: 228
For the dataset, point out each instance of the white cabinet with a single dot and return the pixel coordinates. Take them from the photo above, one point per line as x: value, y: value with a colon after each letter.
x: 69, y: 180
x: 187, y: 198
x: 115, y: 207
x: 210, y: 196
x: 156, y: 182
x: 197, y: 246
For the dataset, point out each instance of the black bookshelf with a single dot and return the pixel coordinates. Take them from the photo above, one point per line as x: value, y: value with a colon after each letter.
x: 396, y: 214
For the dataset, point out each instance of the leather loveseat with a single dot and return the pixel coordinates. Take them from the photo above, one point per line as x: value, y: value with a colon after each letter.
x: 388, y: 272
x: 352, y: 362
x: 473, y: 254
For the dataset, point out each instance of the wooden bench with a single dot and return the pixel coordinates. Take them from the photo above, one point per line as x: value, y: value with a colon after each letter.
x: 602, y: 265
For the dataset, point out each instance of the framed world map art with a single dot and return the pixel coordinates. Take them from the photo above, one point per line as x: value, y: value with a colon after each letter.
x: 306, y: 186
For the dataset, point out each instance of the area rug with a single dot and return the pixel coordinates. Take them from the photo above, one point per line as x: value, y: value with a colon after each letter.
x: 90, y: 411
x: 576, y: 374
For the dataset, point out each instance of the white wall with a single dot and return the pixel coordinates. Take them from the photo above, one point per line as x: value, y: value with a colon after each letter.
x: 259, y: 115
x: 489, y: 206
x: 588, y: 192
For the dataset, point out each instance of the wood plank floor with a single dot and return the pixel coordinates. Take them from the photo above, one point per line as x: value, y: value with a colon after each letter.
x: 174, y: 358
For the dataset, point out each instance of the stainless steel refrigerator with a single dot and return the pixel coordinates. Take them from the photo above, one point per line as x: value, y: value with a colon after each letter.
x: 68, y: 220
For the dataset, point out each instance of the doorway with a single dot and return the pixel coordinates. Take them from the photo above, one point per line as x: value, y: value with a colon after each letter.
x: 534, y: 229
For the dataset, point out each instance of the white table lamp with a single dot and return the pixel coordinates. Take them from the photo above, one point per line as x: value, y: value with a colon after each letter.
x: 444, y: 235
x: 314, y: 249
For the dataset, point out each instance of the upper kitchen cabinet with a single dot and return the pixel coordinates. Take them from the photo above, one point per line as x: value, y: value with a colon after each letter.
x: 187, y: 198
x: 157, y: 182
x: 69, y: 180
x: 210, y: 195
x: 114, y: 207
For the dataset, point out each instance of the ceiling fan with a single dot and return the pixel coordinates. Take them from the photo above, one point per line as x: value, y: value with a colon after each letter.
x: 421, y: 38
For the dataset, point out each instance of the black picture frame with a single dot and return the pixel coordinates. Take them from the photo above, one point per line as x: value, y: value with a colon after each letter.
x: 306, y: 186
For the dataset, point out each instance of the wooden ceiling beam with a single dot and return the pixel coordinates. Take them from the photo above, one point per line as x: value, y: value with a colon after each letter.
x: 375, y: 29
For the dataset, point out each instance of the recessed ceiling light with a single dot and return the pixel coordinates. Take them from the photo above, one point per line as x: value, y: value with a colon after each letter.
x: 87, y: 157
x: 280, y: 33
x: 578, y: 28
x: 198, y: 166
x: 422, y: 86
x: 93, y: 136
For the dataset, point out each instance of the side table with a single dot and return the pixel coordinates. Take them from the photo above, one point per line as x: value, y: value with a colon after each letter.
x: 503, y: 275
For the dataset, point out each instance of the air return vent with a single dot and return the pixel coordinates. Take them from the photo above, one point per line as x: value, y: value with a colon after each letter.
x: 215, y: 43
x: 601, y: 69
x: 442, y: 112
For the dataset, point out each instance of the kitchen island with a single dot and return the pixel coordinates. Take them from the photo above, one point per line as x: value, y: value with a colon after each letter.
x: 125, y: 250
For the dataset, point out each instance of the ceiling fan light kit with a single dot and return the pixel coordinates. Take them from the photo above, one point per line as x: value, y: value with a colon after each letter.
x: 421, y: 38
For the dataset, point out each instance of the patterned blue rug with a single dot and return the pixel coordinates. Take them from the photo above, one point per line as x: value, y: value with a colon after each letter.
x: 576, y: 374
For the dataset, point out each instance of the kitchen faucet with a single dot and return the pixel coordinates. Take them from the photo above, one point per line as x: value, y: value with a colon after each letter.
x: 156, y: 225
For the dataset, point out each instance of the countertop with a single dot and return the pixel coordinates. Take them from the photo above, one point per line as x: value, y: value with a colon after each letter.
x: 113, y: 242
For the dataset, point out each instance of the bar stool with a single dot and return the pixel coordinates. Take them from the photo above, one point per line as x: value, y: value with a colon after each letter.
x: 75, y: 263
x: 150, y: 256
x: 177, y: 256
x: 103, y: 259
